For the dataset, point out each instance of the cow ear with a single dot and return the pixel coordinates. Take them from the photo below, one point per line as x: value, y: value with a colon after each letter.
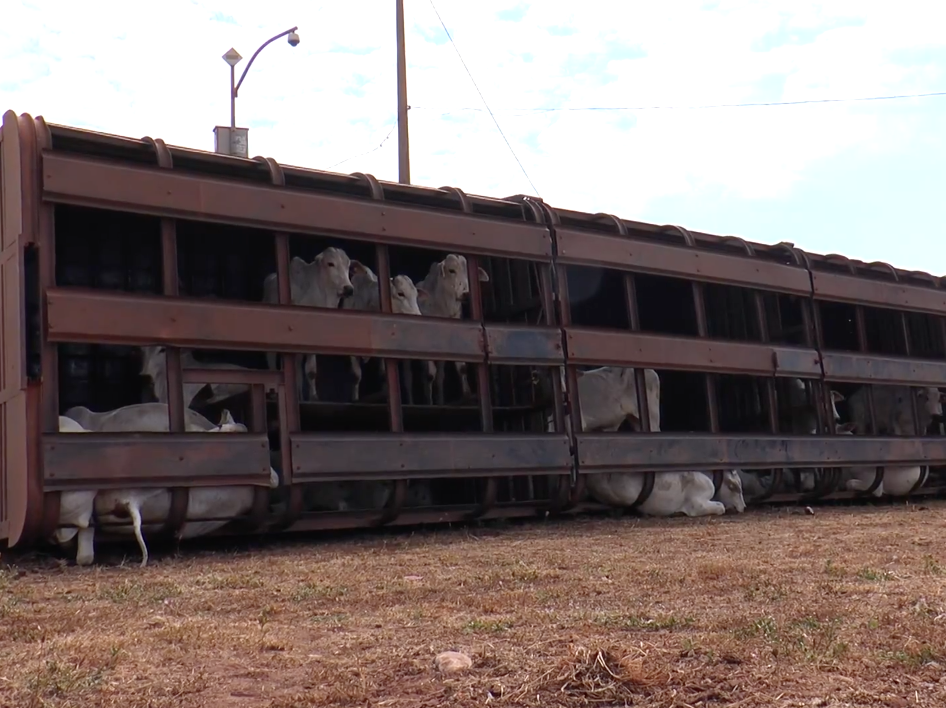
x: 484, y: 276
x: 942, y: 397
x: 296, y: 267
x: 846, y: 427
x: 422, y: 294
x: 837, y: 396
x: 226, y: 418
x: 356, y: 267
x: 442, y: 267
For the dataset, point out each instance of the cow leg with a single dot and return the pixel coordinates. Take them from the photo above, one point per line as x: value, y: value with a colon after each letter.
x: 430, y: 374
x: 464, y: 381
x: 85, y: 551
x: 860, y: 485
x: 703, y: 507
x: 409, y: 381
x: 356, y: 373
x: 310, y: 372
x: 439, y: 372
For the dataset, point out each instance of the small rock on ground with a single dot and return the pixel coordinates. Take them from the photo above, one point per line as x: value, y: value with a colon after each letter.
x: 451, y: 662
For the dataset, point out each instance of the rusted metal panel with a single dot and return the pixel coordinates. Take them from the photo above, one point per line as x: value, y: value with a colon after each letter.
x: 11, y: 196
x: 411, y: 517
x: 606, y: 251
x: 861, y: 368
x: 869, y: 291
x: 595, y: 346
x: 75, y: 180
x: 318, y: 458
x: 610, y: 452
x: 138, y: 460
x: 517, y: 345
x: 81, y: 315
x: 14, y: 440
x: 15, y: 452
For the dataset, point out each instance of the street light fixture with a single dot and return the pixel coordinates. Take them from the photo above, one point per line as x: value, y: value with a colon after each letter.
x: 232, y: 140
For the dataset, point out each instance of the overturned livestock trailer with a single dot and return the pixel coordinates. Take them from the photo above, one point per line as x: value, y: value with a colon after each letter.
x: 114, y: 245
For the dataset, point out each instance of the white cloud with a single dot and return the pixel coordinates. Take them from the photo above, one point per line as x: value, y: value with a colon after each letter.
x: 155, y: 69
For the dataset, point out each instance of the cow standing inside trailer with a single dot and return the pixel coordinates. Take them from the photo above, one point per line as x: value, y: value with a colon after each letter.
x: 446, y: 286
x: 325, y: 282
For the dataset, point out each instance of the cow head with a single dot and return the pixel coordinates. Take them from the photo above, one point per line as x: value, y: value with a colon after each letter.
x: 327, y: 278
x: 404, y: 295
x: 730, y: 492
x: 453, y: 275
x: 152, y: 360
x: 931, y: 401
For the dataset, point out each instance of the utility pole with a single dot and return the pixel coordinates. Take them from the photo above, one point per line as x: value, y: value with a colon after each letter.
x: 403, y: 146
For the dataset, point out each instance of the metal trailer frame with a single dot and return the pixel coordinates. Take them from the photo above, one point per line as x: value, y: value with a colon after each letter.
x: 44, y: 165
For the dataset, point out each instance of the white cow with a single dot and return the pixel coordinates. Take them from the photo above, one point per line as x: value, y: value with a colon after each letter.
x: 893, y: 409
x: 446, y: 285
x: 152, y: 506
x: 75, y: 510
x: 689, y: 493
x: 367, y: 297
x: 607, y: 396
x: 897, y: 481
x: 154, y: 366
x: 136, y: 417
x: 325, y: 282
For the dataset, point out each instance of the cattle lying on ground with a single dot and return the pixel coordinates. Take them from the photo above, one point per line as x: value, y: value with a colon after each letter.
x: 607, y: 396
x: 148, y: 507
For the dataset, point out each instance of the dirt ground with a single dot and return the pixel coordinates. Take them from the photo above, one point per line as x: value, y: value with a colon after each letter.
x: 771, y: 608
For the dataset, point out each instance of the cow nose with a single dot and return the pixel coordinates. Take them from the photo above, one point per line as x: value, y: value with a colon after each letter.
x: 348, y: 291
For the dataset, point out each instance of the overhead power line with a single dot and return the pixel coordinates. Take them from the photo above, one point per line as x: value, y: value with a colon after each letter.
x: 702, y: 106
x: 508, y: 144
x: 374, y: 149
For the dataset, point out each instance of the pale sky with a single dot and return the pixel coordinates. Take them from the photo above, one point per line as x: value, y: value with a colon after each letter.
x: 864, y: 179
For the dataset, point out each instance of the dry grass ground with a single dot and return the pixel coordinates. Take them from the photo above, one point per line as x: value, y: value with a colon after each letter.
x: 843, y: 608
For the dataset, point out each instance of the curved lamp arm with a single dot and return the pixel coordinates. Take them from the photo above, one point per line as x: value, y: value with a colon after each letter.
x: 236, y: 89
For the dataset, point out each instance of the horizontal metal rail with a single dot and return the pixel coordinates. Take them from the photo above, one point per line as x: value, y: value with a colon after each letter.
x: 618, y: 252
x: 596, y: 346
x: 138, y: 460
x: 588, y: 347
x: 615, y: 452
x: 93, y: 316
x: 169, y: 193
x: 878, y: 293
x: 863, y: 368
x: 321, y: 457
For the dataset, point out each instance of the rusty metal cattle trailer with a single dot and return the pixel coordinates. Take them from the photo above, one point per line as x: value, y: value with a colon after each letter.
x: 738, y: 317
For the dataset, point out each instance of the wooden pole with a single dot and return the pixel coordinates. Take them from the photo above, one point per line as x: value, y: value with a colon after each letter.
x: 403, y: 146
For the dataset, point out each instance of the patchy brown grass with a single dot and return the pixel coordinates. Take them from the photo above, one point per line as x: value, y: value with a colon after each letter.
x: 844, y: 608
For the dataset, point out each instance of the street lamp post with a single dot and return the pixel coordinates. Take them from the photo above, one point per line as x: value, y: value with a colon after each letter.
x: 230, y: 140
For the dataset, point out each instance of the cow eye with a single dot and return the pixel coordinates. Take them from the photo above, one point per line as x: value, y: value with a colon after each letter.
x: 331, y: 265
x: 453, y: 271
x: 400, y: 294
